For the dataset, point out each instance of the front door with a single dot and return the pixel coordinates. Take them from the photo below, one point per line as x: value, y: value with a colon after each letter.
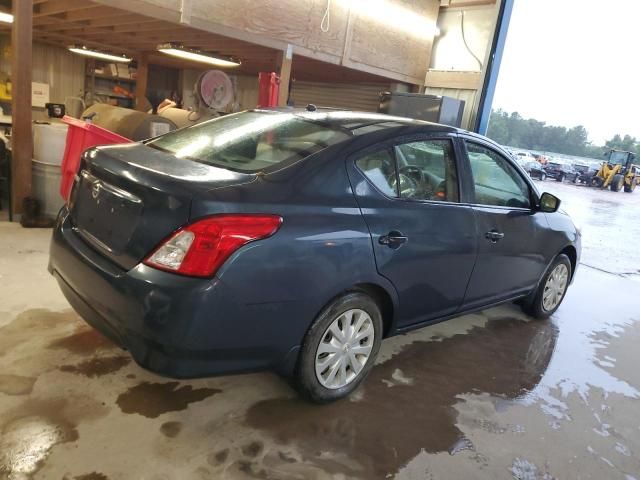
x: 423, y: 239
x: 510, y: 261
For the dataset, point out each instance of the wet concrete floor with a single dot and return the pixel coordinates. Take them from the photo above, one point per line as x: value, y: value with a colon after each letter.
x: 488, y: 395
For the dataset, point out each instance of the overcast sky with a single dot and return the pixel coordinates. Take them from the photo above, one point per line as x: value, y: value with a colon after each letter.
x: 574, y: 62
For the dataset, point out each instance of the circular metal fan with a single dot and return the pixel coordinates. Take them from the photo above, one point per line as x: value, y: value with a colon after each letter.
x: 214, y: 89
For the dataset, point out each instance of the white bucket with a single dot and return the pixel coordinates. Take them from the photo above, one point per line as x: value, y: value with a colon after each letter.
x: 45, y: 184
x: 49, y: 141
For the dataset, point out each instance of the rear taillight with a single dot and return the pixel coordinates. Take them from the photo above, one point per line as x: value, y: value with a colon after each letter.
x: 200, y: 248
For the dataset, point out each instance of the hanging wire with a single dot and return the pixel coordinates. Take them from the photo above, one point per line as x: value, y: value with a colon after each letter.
x: 464, y: 39
x: 326, y: 19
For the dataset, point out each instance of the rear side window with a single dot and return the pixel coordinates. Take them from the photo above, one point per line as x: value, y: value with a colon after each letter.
x: 427, y: 170
x: 379, y: 168
x: 250, y: 141
x: 495, y: 180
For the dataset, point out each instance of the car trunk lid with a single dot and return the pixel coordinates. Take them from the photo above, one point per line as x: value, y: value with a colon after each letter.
x: 126, y: 199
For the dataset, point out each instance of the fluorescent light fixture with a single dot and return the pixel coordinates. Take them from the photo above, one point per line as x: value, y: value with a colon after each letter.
x: 197, y: 56
x: 97, y: 54
x: 6, y: 17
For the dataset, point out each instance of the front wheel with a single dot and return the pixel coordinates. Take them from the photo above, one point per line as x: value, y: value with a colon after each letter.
x: 617, y: 182
x: 340, y: 348
x: 632, y: 185
x: 551, y: 291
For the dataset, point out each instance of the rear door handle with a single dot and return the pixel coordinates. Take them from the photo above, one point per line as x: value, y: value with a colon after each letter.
x: 393, y: 239
x: 494, y: 236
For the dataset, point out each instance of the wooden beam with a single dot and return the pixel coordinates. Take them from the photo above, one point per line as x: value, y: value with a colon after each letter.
x: 66, y: 40
x: 453, y: 79
x: 284, y: 60
x: 468, y: 3
x: 142, y: 78
x: 53, y: 7
x: 22, y: 141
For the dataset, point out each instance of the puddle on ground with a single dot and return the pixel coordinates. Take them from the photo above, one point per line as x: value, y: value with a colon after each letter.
x: 29, y: 431
x: 407, y: 403
x: 85, y: 342
x: 153, y: 399
x: 98, y: 366
x: 171, y: 429
x: 33, y: 323
x: 91, y: 476
x: 16, y: 384
x: 26, y: 442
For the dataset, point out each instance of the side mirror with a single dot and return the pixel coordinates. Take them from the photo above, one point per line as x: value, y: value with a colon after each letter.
x: 549, y: 203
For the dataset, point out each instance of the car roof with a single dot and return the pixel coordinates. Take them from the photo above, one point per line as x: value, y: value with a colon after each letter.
x: 354, y: 120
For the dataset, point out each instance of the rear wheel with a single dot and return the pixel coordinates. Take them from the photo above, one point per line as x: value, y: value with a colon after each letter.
x: 340, y: 348
x: 551, y: 290
x: 632, y: 186
x: 617, y: 182
x: 597, y: 182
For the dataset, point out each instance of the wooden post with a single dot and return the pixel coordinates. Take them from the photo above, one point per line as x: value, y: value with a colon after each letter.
x: 142, y: 78
x: 285, y: 58
x: 21, y: 136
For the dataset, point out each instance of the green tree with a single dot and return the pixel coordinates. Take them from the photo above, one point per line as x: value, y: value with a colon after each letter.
x: 513, y: 130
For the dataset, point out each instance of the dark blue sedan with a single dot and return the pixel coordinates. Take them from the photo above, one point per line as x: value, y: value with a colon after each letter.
x: 296, y: 240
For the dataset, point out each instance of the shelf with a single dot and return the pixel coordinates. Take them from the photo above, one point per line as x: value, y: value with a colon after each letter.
x: 111, y: 95
x: 110, y: 77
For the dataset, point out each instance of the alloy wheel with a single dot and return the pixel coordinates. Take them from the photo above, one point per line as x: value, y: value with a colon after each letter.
x: 344, y: 349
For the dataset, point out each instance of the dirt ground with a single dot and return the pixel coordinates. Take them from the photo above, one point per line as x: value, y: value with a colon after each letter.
x: 488, y: 395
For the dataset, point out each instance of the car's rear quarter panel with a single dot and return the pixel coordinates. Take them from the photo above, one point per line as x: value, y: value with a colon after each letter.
x: 322, y: 248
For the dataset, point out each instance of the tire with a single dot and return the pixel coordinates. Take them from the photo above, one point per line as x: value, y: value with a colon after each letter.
x: 560, y: 178
x: 597, y: 182
x: 575, y: 179
x: 617, y: 182
x: 543, y: 177
x: 632, y: 187
x: 308, y: 381
x: 534, y: 305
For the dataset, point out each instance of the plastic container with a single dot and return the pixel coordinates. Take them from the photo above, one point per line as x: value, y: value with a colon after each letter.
x: 80, y: 136
x: 49, y: 141
x: 45, y: 181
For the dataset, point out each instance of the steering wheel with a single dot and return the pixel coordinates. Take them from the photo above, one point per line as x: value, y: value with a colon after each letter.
x: 414, y: 172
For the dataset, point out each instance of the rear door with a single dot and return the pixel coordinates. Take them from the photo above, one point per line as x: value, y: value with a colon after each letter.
x: 510, y: 260
x: 424, y: 240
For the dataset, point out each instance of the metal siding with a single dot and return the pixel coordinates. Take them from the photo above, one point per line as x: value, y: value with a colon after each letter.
x: 362, y: 96
x: 469, y: 97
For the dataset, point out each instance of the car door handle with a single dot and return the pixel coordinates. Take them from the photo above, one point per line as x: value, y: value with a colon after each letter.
x: 494, y: 236
x: 393, y: 239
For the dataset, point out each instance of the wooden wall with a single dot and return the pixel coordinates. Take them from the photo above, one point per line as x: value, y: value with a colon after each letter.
x: 371, y: 43
x: 62, y: 70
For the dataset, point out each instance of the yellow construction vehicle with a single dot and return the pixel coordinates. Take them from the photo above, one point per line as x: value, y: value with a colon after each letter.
x: 617, y: 171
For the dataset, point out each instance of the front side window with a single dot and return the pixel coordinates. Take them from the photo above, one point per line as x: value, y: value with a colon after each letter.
x: 495, y: 180
x: 426, y: 170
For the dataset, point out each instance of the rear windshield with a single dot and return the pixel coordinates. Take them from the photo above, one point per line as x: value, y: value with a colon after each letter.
x: 250, y: 141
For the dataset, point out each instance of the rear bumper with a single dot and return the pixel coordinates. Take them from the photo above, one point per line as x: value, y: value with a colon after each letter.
x: 175, y: 326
